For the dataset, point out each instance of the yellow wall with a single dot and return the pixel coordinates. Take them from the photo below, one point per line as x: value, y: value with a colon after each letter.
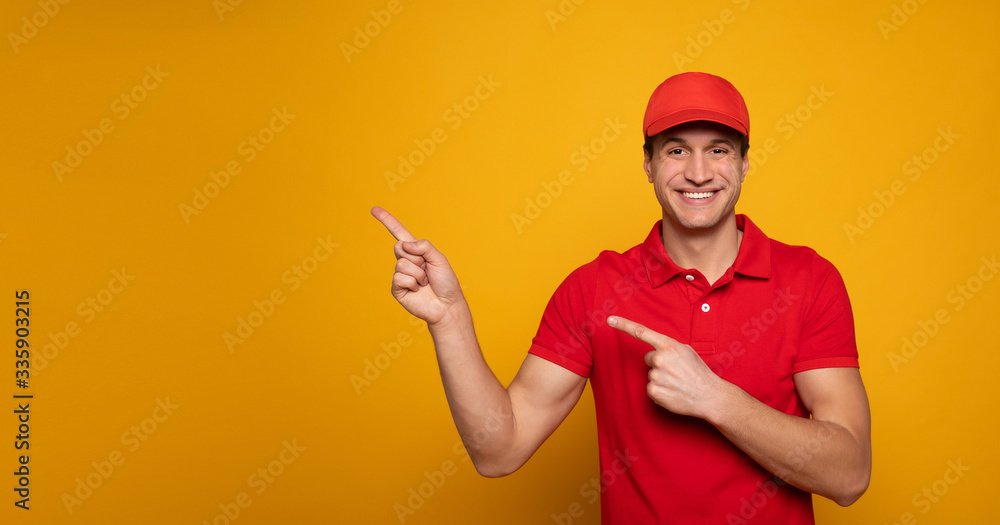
x: 228, y: 157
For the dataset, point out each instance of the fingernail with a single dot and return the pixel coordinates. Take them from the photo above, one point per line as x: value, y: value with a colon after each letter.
x: 612, y: 321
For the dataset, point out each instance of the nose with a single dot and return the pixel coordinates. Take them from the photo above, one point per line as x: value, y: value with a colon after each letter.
x: 697, y: 170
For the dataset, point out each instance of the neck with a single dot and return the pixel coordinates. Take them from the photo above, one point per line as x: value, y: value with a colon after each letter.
x: 711, y: 251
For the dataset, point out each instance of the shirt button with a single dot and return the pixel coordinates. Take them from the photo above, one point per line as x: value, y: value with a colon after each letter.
x: 705, y: 307
x: 689, y: 277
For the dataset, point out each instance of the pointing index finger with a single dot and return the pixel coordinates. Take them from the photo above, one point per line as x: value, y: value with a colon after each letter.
x: 638, y: 331
x: 392, y: 224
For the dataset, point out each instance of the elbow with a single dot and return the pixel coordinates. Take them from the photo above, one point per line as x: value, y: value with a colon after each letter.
x: 495, y: 468
x: 493, y: 471
x: 853, y: 490
x: 846, y: 500
x: 855, y: 481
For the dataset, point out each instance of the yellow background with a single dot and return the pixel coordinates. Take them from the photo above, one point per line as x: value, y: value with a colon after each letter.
x: 161, y: 337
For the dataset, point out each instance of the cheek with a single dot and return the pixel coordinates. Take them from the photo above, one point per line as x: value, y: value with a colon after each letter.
x: 662, y: 192
x: 738, y: 167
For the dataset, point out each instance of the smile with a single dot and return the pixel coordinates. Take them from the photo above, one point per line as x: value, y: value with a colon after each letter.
x: 699, y: 195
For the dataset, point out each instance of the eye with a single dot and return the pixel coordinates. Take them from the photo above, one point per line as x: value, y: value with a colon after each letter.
x: 675, y: 151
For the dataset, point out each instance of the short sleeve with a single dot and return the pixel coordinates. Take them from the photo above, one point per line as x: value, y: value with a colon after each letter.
x: 561, y: 337
x: 828, y: 328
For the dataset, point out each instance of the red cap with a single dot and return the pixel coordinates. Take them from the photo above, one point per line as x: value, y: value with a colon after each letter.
x: 688, y: 97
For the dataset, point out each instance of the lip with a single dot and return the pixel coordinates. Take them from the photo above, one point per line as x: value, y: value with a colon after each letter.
x: 697, y: 202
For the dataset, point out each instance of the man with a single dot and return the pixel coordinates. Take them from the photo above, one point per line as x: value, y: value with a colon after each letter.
x: 708, y: 346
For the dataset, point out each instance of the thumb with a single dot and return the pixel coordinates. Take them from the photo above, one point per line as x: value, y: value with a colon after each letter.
x: 425, y: 249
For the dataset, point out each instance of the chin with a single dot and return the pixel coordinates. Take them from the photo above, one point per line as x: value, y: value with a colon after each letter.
x: 697, y: 222
x: 700, y: 225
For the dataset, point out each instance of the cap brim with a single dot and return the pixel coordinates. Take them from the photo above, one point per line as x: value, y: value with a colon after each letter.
x: 694, y: 115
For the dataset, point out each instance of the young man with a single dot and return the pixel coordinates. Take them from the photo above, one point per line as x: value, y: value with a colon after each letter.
x: 708, y: 346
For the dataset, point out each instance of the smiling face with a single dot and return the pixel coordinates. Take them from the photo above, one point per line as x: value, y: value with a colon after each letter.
x: 696, y: 170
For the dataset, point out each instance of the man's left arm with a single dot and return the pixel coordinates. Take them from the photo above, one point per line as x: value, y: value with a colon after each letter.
x: 829, y: 455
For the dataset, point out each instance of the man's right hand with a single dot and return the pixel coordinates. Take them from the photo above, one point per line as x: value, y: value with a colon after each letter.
x: 538, y: 398
x: 424, y: 282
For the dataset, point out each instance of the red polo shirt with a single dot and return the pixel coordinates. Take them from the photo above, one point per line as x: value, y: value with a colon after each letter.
x: 778, y: 310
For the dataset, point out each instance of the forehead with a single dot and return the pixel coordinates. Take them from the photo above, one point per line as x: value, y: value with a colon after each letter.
x: 698, y: 131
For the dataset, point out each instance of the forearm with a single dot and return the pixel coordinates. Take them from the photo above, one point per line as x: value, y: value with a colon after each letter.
x: 479, y: 403
x: 821, y: 457
x: 425, y: 284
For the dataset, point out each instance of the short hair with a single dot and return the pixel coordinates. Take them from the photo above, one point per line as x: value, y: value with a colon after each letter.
x: 648, y: 145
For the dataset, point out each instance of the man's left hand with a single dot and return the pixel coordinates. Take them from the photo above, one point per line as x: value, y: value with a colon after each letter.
x: 679, y: 380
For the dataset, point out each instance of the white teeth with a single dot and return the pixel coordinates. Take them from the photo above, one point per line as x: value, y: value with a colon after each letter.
x: 702, y: 195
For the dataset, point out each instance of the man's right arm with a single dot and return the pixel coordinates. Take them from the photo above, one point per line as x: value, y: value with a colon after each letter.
x: 500, y: 427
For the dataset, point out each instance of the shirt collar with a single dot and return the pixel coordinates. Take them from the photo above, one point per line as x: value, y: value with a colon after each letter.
x: 752, y: 260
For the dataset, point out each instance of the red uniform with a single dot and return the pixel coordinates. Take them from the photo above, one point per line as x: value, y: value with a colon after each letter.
x: 778, y: 310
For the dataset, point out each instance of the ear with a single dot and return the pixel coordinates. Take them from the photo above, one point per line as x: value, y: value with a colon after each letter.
x: 746, y: 167
x: 647, y: 165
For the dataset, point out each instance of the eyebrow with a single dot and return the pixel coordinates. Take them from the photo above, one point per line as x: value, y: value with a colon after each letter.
x: 713, y: 141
